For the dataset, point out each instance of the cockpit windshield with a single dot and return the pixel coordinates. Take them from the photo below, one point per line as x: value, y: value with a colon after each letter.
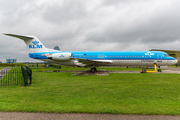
x: 167, y: 55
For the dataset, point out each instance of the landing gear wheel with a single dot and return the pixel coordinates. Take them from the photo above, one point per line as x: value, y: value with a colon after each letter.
x: 93, y: 70
x: 159, y: 70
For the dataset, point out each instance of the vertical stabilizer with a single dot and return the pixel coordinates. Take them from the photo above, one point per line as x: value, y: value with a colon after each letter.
x: 32, y: 42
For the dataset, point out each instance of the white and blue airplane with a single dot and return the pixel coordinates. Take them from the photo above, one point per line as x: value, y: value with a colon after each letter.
x: 94, y: 59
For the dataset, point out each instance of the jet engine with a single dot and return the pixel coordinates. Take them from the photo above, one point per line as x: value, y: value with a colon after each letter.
x: 60, y: 56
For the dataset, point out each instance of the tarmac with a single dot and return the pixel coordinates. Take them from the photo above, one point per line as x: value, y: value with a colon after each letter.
x: 83, y: 116
x: 104, y: 72
x: 4, y: 71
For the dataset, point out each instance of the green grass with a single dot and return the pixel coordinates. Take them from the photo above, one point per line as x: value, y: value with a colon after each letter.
x: 114, y: 94
x: 11, y: 64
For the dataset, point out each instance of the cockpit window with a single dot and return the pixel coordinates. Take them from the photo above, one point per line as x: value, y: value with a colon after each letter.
x: 167, y: 55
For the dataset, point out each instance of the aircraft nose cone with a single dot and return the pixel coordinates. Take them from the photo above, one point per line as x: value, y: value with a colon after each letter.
x: 175, y: 61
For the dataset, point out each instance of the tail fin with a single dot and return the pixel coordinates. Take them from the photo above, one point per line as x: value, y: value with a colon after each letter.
x: 32, y: 42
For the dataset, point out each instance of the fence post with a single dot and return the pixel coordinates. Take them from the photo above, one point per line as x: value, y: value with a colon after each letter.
x: 25, y: 76
x: 29, y: 75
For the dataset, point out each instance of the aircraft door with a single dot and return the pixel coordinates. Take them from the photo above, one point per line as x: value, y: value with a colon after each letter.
x: 159, y: 58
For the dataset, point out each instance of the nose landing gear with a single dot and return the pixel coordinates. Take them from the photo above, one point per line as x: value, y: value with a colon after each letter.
x: 159, y: 70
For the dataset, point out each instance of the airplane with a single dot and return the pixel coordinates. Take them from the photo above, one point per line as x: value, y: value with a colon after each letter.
x: 94, y: 59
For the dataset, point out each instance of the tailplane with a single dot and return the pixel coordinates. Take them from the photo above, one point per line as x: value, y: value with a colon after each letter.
x: 32, y: 42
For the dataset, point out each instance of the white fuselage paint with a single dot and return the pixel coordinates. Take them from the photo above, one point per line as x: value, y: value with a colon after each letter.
x: 119, y: 63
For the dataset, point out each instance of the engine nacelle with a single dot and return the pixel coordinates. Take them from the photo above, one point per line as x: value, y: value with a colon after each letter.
x: 61, y: 56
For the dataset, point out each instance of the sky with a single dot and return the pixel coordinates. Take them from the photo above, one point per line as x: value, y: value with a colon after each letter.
x: 93, y: 25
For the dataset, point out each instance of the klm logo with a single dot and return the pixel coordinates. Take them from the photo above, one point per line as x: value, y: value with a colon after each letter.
x: 34, y: 46
x: 149, y: 53
x: 61, y: 55
x: 35, y: 42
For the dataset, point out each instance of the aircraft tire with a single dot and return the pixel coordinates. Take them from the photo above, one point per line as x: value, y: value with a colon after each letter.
x: 93, y: 70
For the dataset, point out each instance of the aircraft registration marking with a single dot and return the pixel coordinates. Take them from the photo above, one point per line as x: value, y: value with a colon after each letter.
x: 147, y: 60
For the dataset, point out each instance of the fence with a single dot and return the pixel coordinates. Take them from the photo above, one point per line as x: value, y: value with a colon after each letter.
x: 10, y: 77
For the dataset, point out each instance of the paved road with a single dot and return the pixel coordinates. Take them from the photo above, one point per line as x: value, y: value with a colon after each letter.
x: 4, y: 71
x: 55, y: 116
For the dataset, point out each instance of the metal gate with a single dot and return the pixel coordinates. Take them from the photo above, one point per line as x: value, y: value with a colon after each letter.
x: 27, y: 76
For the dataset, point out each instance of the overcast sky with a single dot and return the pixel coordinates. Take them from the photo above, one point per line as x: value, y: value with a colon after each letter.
x: 90, y: 25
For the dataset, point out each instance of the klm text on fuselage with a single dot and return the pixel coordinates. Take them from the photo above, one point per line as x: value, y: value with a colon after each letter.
x: 35, y: 46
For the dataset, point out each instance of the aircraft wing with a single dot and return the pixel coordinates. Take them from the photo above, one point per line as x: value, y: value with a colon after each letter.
x: 88, y: 62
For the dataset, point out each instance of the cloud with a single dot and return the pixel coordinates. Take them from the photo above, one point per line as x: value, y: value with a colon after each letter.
x: 103, y: 25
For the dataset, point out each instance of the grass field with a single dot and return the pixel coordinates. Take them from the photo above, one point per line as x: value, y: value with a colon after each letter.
x: 114, y: 94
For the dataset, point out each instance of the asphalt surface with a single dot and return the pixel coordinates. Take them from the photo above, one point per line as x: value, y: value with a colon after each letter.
x: 55, y: 116
x: 4, y: 71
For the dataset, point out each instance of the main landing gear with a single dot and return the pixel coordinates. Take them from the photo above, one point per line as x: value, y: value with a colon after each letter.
x: 93, y: 70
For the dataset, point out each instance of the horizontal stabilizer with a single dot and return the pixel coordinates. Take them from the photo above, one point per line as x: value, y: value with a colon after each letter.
x: 20, y: 36
x: 32, y: 42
